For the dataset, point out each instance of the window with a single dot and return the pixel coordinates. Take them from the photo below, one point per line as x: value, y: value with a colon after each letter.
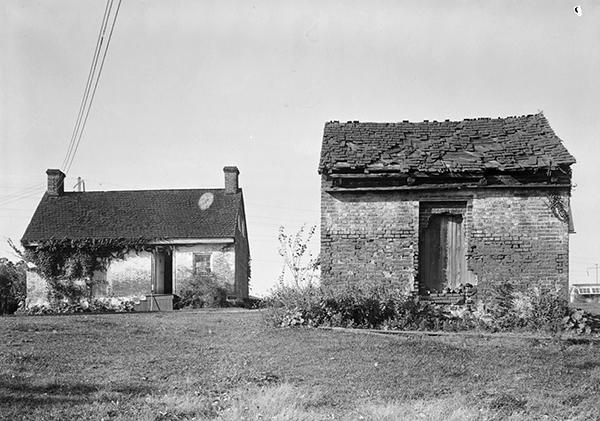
x: 201, y: 263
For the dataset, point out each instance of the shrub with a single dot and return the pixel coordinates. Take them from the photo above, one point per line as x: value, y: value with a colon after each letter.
x: 203, y: 290
x: 380, y: 308
x: 532, y: 310
x: 111, y: 304
x: 95, y: 305
x: 502, y: 313
x: 13, y: 288
x: 548, y: 312
x: 289, y: 306
x: 368, y: 307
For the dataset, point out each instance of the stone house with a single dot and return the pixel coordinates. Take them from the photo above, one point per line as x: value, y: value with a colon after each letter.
x: 434, y: 207
x: 191, y: 232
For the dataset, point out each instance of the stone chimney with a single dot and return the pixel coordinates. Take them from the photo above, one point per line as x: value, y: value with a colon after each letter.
x: 231, y: 179
x: 56, y: 182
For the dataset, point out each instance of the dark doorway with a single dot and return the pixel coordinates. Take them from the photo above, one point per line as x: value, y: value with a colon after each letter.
x: 162, y: 272
x: 442, y: 262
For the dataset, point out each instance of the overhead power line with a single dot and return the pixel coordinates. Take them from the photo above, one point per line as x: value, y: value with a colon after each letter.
x: 88, y: 84
x: 93, y: 79
x: 86, y: 102
x: 22, y: 194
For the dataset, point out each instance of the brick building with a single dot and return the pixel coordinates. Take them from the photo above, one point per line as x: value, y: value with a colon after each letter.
x: 189, y: 232
x: 428, y: 207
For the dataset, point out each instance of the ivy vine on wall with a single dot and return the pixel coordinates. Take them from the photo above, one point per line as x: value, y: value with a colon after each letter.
x: 69, y: 264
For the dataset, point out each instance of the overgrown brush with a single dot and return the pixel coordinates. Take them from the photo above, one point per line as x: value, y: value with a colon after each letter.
x: 373, y: 307
x: 292, y: 306
x: 95, y: 305
x: 368, y: 307
x: 533, y: 310
x: 201, y: 290
x: 13, y: 287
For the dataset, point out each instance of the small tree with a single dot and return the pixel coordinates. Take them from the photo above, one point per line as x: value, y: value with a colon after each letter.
x: 13, y: 287
x: 295, y: 251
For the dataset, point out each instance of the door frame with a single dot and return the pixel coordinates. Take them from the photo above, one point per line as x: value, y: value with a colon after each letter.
x: 449, y: 242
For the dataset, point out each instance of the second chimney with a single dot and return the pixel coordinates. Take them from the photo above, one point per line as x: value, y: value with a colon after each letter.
x: 231, y: 179
x: 56, y: 182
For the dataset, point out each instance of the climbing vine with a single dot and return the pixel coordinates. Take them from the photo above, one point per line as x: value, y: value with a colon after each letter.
x: 558, y: 207
x: 69, y: 264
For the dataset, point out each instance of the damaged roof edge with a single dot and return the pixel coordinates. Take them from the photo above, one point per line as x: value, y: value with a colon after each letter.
x: 484, y: 143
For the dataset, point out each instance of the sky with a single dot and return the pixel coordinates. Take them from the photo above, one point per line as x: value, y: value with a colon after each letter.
x: 190, y: 86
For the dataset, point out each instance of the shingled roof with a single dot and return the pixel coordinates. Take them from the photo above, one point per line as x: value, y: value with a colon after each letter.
x: 472, y: 145
x: 152, y: 214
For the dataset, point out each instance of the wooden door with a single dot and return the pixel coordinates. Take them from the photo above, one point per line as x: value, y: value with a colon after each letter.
x: 162, y: 272
x: 442, y: 253
x: 158, y: 272
x: 168, y: 273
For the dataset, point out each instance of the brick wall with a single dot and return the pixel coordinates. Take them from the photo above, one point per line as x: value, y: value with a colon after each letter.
x: 518, y: 238
x: 510, y: 234
x: 368, y: 238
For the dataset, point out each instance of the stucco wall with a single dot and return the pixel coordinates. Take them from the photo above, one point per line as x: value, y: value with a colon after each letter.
x: 37, y: 290
x: 242, y: 257
x: 130, y: 277
x: 222, y: 263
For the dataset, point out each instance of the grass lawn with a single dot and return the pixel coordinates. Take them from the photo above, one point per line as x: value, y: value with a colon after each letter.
x: 229, y: 365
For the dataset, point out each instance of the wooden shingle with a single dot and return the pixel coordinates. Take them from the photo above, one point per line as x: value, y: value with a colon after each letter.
x: 507, y: 144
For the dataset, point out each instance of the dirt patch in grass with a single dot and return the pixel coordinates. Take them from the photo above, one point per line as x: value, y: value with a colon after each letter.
x: 217, y: 365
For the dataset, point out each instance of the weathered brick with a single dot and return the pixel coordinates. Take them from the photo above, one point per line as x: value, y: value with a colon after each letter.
x: 508, y: 237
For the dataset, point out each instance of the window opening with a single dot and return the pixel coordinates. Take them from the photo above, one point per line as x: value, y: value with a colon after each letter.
x: 202, y: 263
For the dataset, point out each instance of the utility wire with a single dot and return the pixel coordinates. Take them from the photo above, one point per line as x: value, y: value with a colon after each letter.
x: 68, y: 166
x: 80, y: 124
x: 23, y: 194
x: 84, y: 107
x: 88, y: 83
